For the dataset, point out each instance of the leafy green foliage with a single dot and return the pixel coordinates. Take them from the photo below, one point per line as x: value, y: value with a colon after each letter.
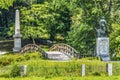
x: 115, y: 40
x: 11, y: 59
x: 86, y: 13
x: 43, y: 20
x: 80, y: 39
x: 31, y: 20
x: 63, y: 21
x: 5, y: 4
x: 53, y: 18
x: 15, y: 71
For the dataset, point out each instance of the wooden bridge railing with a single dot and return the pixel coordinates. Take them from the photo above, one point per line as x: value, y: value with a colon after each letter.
x: 29, y: 48
x: 32, y: 48
x: 66, y: 49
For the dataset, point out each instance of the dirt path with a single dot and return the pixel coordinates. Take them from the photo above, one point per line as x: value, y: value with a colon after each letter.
x: 2, y: 52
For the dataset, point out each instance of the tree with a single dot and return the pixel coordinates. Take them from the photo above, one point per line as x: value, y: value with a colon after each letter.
x: 115, y: 39
x: 32, y: 21
x: 5, y: 4
x: 80, y: 39
x: 85, y: 18
x: 61, y: 21
x: 7, y: 15
x: 115, y: 32
x: 46, y: 17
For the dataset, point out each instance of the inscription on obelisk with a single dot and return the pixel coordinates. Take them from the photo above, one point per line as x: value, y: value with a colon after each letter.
x: 17, y: 36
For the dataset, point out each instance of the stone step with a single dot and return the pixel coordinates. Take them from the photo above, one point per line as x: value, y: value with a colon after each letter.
x: 55, y: 55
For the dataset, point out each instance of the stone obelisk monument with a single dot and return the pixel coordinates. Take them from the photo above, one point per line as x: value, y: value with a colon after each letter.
x: 17, y: 36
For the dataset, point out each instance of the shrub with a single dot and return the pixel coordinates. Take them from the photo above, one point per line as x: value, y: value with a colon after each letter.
x: 5, y: 61
x: 115, y: 58
x: 35, y: 55
x: 15, y: 71
x: 27, y: 56
x: 96, y: 74
x: 19, y: 58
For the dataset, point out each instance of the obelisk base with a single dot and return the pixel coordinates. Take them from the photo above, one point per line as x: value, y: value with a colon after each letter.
x: 17, y: 42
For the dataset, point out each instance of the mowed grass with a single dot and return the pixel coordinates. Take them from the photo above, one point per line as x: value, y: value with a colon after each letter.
x: 65, y: 78
x: 39, y: 67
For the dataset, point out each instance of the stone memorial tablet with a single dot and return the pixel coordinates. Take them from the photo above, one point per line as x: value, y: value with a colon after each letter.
x: 102, y: 46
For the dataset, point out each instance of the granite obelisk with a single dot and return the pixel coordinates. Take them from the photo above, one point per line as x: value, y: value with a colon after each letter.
x: 17, y: 36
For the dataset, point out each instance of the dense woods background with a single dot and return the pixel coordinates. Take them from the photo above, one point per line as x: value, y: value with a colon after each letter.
x: 73, y: 21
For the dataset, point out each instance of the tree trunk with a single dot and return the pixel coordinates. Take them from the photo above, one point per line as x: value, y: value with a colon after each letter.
x: 52, y: 37
x: 33, y: 40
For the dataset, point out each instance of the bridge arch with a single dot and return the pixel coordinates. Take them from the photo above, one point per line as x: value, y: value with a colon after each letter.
x: 60, y: 47
x: 32, y: 48
x: 66, y: 49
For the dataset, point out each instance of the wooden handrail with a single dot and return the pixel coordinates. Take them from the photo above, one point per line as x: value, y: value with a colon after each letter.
x: 61, y: 47
x: 32, y: 48
x: 66, y: 49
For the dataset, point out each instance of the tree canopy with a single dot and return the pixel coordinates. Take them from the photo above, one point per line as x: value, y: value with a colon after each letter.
x: 74, y: 21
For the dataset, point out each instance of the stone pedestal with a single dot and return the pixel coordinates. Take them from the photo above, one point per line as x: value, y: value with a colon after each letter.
x: 17, y: 43
x: 102, y: 48
x: 17, y: 36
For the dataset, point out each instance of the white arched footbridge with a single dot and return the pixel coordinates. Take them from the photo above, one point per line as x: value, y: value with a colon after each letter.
x: 59, y: 51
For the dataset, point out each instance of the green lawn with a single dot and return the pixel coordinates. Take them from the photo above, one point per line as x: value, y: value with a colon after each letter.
x: 42, y: 69
x: 64, y: 78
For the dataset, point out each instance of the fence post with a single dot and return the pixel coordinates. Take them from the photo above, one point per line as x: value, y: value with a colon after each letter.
x: 83, y: 69
x: 23, y: 70
x: 109, y: 69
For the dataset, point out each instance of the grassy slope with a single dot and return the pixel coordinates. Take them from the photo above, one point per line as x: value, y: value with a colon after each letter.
x: 35, y: 64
